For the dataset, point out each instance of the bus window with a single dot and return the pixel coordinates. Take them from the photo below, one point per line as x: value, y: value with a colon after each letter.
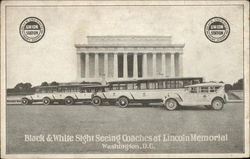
x: 196, y: 81
x: 216, y: 88
x: 136, y: 86
x: 82, y: 90
x: 143, y: 85
x: 187, y: 82
x: 151, y: 85
x: 172, y: 84
x: 123, y: 86
x: 204, y: 89
x: 59, y: 89
x: 161, y: 85
x: 211, y: 89
x: 179, y: 84
x: 156, y: 84
x: 49, y: 91
x: 115, y: 86
x: 38, y: 90
x: 167, y: 83
x: 194, y: 90
x: 130, y: 86
x: 106, y: 89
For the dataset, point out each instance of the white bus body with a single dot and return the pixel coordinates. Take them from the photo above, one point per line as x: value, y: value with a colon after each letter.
x: 141, y: 91
x: 62, y: 94
x: 211, y: 95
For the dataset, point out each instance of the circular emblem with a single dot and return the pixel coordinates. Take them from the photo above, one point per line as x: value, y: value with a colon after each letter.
x: 32, y: 29
x: 217, y: 29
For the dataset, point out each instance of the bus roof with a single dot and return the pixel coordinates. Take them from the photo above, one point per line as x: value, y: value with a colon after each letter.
x: 96, y: 86
x: 71, y: 85
x: 152, y: 79
x: 206, y: 84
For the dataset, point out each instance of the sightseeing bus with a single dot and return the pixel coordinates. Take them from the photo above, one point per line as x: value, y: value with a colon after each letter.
x: 143, y: 91
x: 63, y: 94
x: 212, y: 95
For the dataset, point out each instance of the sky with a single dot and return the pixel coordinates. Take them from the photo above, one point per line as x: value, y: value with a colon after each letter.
x: 53, y: 58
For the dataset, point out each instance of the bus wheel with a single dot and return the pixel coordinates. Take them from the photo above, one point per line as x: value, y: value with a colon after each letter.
x: 69, y: 101
x: 171, y: 104
x: 25, y: 101
x: 217, y: 104
x: 123, y: 102
x: 46, y: 101
x: 96, y: 101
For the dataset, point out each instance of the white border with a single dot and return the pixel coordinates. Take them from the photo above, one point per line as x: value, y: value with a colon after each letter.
x: 246, y: 79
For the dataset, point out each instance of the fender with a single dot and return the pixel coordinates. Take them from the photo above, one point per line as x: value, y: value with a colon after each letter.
x: 175, y: 96
x: 218, y: 97
x: 70, y: 97
x: 124, y: 96
x: 29, y: 97
x: 97, y: 95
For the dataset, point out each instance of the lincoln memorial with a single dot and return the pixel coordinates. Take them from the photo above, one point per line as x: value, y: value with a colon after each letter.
x: 128, y: 57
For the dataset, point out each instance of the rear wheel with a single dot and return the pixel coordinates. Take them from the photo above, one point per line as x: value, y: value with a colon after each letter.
x: 46, y: 101
x: 217, y: 104
x: 123, y: 102
x: 25, y: 101
x: 69, y: 101
x: 96, y: 101
x: 171, y: 104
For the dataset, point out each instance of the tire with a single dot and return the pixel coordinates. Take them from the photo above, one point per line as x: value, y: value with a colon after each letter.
x: 96, y: 101
x: 171, y: 104
x: 69, y: 101
x: 46, y: 101
x: 25, y: 101
x: 208, y: 107
x: 217, y: 104
x: 123, y: 102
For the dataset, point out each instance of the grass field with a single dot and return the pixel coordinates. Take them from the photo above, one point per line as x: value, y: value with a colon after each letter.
x: 134, y: 120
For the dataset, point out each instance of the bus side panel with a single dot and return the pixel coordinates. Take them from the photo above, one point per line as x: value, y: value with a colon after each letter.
x: 156, y: 94
x: 111, y: 95
x: 84, y: 96
x: 40, y: 96
x: 63, y: 95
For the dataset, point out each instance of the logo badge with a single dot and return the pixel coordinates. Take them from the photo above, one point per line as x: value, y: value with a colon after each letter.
x: 32, y: 29
x: 217, y: 29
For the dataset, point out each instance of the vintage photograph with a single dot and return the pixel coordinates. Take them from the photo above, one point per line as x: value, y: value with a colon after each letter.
x: 124, y: 79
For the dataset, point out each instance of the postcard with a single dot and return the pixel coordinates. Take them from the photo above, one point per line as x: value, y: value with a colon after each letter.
x: 124, y: 79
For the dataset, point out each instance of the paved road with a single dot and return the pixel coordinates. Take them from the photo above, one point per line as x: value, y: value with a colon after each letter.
x: 137, y: 121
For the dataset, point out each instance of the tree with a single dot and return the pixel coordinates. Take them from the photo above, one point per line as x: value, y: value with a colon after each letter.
x: 27, y: 86
x: 83, y: 82
x: 238, y: 85
x: 19, y: 87
x: 54, y: 83
x: 45, y: 84
x: 228, y: 87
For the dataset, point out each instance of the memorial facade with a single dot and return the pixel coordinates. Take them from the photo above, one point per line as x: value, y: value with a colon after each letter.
x: 128, y: 57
